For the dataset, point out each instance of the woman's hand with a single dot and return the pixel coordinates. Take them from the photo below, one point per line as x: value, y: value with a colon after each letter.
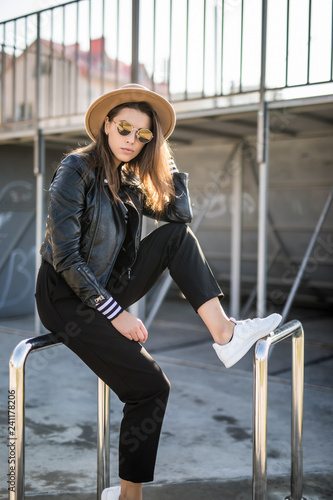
x: 130, y: 326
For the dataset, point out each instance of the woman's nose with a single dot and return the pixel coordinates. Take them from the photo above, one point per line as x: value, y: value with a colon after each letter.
x: 131, y: 137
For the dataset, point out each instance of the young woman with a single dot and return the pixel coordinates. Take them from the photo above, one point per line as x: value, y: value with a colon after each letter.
x: 95, y: 265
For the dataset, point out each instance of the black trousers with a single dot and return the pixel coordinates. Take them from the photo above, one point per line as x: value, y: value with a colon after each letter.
x: 124, y: 365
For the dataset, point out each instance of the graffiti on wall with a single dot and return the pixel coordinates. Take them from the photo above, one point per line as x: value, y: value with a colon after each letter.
x: 17, y: 251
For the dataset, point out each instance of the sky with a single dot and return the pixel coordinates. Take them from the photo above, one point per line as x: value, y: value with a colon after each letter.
x: 17, y: 8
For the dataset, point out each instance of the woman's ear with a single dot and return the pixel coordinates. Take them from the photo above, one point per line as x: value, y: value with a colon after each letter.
x: 107, y: 125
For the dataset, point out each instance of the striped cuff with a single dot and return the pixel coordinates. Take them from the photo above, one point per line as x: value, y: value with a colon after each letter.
x: 110, y: 308
x: 172, y: 165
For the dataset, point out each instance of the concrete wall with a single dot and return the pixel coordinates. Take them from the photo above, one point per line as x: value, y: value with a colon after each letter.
x: 300, y: 179
x: 17, y: 227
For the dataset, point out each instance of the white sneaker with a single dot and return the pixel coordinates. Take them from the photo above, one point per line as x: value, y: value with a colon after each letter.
x: 111, y: 493
x: 246, y: 333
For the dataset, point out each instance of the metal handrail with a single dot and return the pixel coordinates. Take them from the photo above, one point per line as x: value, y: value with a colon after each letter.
x: 16, y: 413
x: 16, y: 418
x: 293, y: 328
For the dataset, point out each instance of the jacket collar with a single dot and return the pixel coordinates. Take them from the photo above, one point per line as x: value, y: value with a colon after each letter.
x: 127, y: 177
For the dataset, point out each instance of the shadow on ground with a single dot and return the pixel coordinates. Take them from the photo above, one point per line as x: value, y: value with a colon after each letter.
x: 315, y: 487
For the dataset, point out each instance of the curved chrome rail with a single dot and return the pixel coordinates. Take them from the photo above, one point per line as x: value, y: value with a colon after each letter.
x: 293, y: 328
x: 16, y: 418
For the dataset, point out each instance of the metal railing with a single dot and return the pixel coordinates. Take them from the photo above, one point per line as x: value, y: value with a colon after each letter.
x: 55, y: 61
x: 261, y: 354
x: 16, y: 419
x: 16, y: 414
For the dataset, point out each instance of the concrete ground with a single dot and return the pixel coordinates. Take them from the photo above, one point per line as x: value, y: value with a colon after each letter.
x: 206, y: 443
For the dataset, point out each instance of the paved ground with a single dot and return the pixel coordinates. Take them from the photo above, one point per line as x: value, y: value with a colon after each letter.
x: 206, y: 445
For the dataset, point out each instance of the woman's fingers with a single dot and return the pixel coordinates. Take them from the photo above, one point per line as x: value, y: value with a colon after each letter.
x: 140, y: 333
x: 130, y: 326
x: 144, y: 332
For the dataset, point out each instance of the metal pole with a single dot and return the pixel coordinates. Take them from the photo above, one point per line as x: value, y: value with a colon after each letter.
x: 39, y: 163
x: 14, y: 74
x: 3, y: 72
x: 39, y: 171
x: 90, y: 55
x: 262, y: 158
x: 154, y: 46
x: 38, y: 71
x: 297, y: 415
x: 259, y: 482
x: 261, y: 355
x: 16, y: 427
x: 241, y: 48
x: 135, y: 41
x: 16, y: 411
x: 236, y: 238
x: 203, y: 49
x: 170, y: 51
x: 103, y: 49
x: 262, y: 227
x: 118, y: 43
x: 103, y: 438
x: 16, y: 419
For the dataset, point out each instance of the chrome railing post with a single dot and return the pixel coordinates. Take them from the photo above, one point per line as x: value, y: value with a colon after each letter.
x: 297, y: 415
x: 16, y: 410
x: 103, y: 438
x: 261, y: 354
x: 260, y: 420
x: 16, y: 419
x: 16, y: 422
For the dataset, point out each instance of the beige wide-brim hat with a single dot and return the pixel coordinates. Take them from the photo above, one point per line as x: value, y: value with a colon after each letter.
x: 132, y: 92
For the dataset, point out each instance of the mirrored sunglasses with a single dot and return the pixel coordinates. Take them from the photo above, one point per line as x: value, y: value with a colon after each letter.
x: 125, y: 128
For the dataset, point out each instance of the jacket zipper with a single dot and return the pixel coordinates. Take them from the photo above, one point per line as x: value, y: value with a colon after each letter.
x: 95, y: 231
x: 82, y: 271
x: 136, y: 237
x: 115, y: 257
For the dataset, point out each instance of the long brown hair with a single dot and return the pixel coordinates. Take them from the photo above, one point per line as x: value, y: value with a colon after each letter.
x: 151, y: 165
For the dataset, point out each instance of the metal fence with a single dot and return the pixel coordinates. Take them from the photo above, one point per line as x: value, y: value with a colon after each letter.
x: 55, y: 61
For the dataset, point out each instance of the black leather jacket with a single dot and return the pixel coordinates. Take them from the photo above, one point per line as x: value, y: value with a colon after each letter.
x: 85, y: 231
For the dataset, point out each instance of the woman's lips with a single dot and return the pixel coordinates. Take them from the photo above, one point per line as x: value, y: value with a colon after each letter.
x: 127, y: 151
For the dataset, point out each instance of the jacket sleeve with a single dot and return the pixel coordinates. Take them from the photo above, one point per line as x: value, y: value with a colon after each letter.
x: 64, y: 226
x: 180, y: 210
